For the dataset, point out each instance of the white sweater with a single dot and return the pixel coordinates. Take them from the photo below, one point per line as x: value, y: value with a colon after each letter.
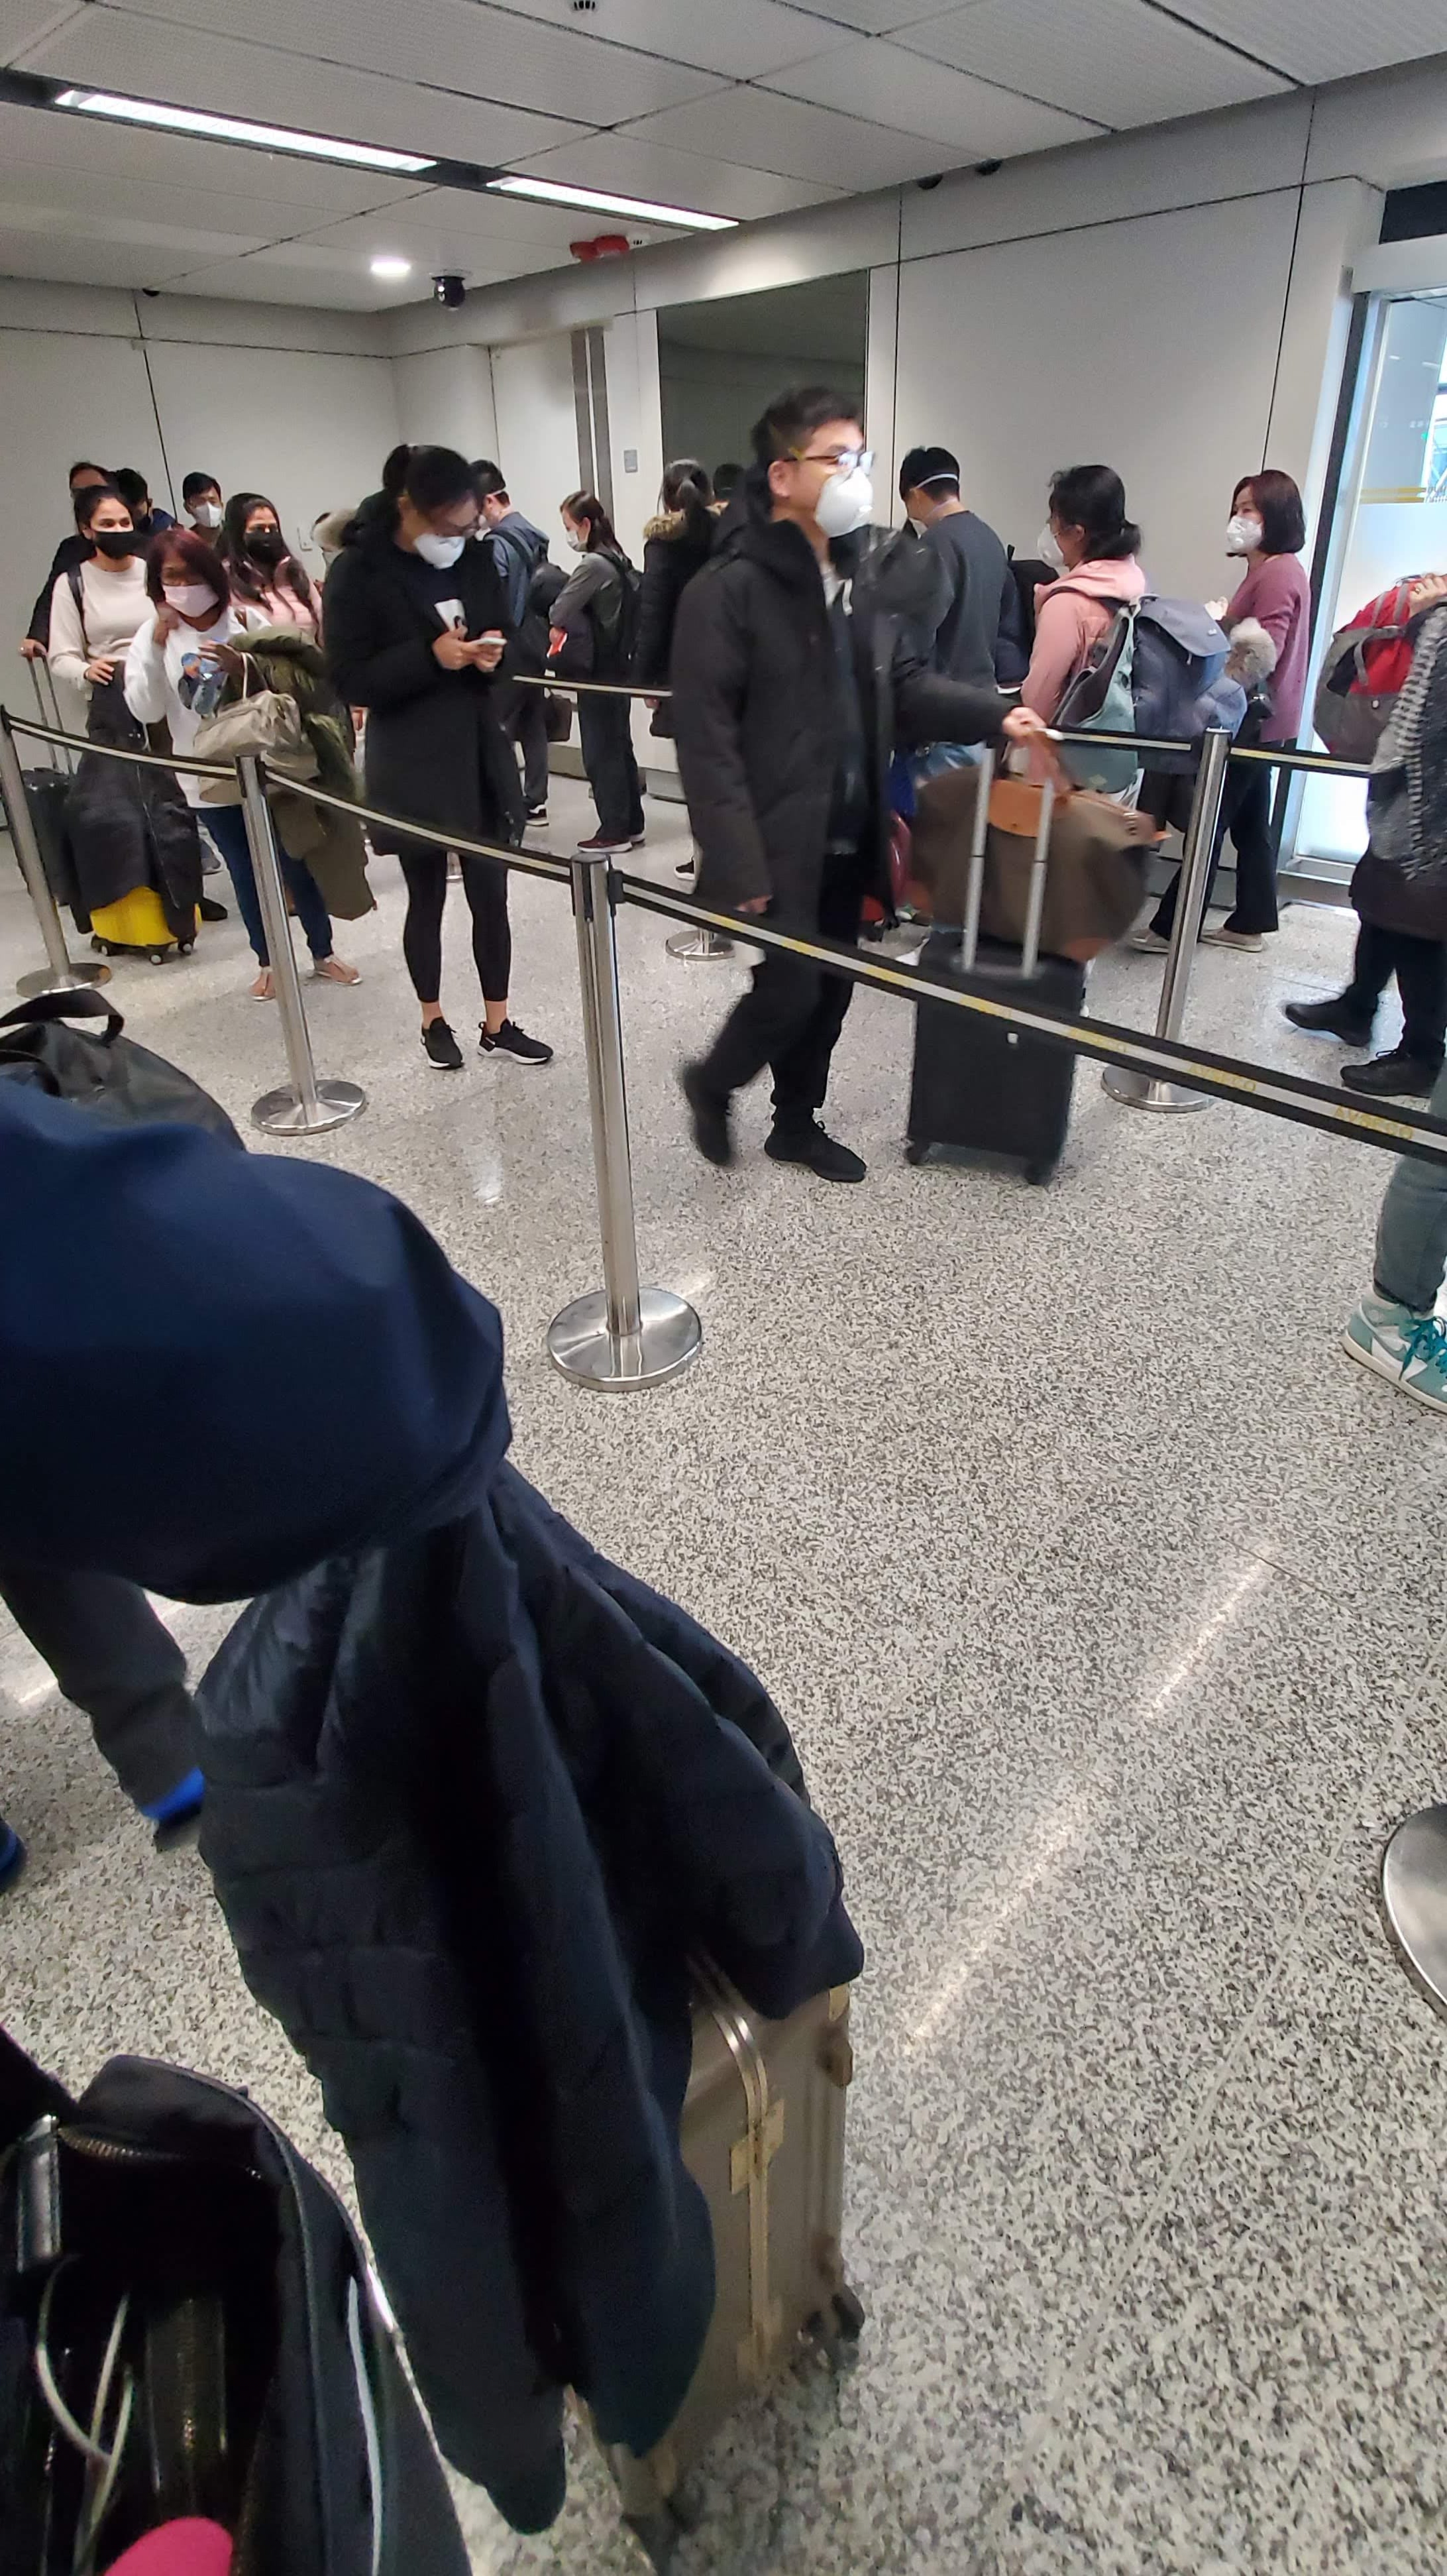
x: 154, y: 673
x: 115, y: 606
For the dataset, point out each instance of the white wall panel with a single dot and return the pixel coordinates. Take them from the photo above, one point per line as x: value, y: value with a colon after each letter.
x: 537, y: 429
x: 444, y: 399
x: 61, y: 397
x: 1150, y: 347
x: 309, y: 431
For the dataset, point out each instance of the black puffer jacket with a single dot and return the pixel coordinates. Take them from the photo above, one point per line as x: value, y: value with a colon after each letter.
x: 756, y: 710
x: 676, y: 545
x: 434, y: 748
x: 473, y: 1801
x: 129, y: 827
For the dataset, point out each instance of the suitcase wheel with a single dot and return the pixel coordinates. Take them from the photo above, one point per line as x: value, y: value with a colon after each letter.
x: 184, y: 947
x: 658, y: 2534
x: 1037, y: 1174
x: 849, y: 2309
x: 834, y: 2332
x: 914, y: 1152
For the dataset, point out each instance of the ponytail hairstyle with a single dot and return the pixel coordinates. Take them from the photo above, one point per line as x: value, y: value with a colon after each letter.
x: 433, y: 478
x: 587, y: 511
x: 1092, y: 497
x: 686, y: 487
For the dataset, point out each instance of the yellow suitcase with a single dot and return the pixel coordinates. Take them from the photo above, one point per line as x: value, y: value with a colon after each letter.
x: 138, y: 924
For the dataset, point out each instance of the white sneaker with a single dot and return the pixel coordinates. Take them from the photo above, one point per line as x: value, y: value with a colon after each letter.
x: 1410, y: 1349
x: 1221, y: 937
x: 1149, y: 942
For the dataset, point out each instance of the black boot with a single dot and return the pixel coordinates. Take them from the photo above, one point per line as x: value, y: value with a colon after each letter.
x: 1397, y: 1076
x: 709, y: 1112
x: 819, y: 1153
x: 1334, y: 1018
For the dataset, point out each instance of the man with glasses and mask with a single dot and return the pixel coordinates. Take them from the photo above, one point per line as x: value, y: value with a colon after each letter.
x: 786, y: 707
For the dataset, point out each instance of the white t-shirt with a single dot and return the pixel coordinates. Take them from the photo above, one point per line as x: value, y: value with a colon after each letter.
x: 161, y: 679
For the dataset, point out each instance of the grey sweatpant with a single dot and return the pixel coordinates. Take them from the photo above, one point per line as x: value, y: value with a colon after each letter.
x: 1411, y: 1257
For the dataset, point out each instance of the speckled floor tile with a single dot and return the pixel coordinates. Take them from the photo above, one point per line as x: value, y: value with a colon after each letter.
x: 1104, y: 1598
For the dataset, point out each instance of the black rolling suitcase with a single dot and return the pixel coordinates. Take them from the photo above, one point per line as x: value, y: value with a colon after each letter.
x: 47, y: 793
x: 981, y: 1088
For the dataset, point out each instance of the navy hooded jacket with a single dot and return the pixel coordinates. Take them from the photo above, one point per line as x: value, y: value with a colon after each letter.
x: 474, y: 1796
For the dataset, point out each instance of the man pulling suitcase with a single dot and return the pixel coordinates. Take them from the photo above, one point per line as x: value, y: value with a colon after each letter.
x: 787, y: 701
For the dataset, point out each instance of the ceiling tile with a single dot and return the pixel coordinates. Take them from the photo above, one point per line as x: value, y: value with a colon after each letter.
x: 85, y: 261
x: 22, y: 21
x: 1137, y: 67
x: 866, y: 17
x: 460, y: 45
x: 881, y: 82
x: 638, y: 169
x: 1324, y: 40
x: 502, y: 220
x: 245, y: 281
x: 31, y: 139
x: 434, y: 245
x: 166, y: 245
x: 114, y: 48
x: 741, y: 39
x: 766, y: 132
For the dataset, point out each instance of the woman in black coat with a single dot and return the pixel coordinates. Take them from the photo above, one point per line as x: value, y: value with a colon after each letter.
x: 416, y: 625
x: 677, y: 544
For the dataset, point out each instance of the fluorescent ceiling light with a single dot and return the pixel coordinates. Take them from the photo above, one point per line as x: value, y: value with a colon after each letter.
x: 388, y: 265
x: 235, y: 129
x: 554, y: 192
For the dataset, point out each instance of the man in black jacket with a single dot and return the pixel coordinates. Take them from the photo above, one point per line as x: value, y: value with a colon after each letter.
x: 785, y: 710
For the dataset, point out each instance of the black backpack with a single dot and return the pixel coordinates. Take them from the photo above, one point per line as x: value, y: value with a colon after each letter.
x: 192, y: 2293
x: 617, y: 626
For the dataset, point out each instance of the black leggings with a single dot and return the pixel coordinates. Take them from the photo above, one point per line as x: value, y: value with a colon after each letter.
x: 484, y: 882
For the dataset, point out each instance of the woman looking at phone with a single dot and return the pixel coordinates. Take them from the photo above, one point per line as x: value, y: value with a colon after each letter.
x: 176, y: 669
x: 415, y: 625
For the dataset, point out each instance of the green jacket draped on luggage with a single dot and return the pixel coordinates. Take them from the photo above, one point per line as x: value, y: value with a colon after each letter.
x: 330, y: 844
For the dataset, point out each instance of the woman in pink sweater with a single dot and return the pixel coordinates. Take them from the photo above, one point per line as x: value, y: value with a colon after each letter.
x: 1095, y: 546
x: 1268, y: 526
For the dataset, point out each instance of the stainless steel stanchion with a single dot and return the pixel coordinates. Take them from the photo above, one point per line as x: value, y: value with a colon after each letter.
x: 1143, y: 1090
x: 1414, y: 1895
x: 699, y: 943
x: 63, y: 974
x: 620, y: 1336
x: 310, y: 1103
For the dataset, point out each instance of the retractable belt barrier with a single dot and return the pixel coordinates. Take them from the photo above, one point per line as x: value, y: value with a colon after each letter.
x: 627, y: 1335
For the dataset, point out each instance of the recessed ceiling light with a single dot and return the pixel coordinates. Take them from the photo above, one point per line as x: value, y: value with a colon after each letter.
x: 235, y: 129
x: 555, y: 192
x: 388, y: 265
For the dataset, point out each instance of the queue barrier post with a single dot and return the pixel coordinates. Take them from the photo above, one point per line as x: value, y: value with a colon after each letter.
x: 1142, y: 1090
x: 621, y: 1336
x: 63, y: 974
x: 310, y: 1103
x: 1414, y: 1896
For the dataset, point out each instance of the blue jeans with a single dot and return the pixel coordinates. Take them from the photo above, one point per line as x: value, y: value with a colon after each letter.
x: 1412, y: 1229
x: 227, y: 827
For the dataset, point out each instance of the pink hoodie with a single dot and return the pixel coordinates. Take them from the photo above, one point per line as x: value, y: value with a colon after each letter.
x: 1071, y: 615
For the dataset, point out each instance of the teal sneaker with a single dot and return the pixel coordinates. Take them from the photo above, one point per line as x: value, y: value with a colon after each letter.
x: 1410, y: 1349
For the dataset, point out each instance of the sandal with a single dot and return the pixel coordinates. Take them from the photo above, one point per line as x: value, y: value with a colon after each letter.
x: 264, y: 988
x: 335, y: 970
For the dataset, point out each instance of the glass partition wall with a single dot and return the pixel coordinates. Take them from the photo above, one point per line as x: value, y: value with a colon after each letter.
x: 721, y: 363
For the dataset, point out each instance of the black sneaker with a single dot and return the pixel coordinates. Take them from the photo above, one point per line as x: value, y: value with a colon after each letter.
x: 537, y: 813
x: 513, y: 1041
x: 443, y: 1050
x: 1397, y: 1076
x: 709, y: 1111
x: 210, y: 909
x: 1333, y: 1019
x: 820, y: 1154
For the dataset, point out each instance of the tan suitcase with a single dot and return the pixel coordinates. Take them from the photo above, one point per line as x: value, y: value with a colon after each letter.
x: 763, y: 2137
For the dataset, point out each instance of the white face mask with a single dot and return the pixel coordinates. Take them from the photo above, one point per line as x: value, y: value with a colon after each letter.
x: 1047, y: 549
x: 440, y: 552
x: 190, y: 598
x: 1244, y: 533
x: 576, y: 540
x: 846, y: 503
x: 207, y: 514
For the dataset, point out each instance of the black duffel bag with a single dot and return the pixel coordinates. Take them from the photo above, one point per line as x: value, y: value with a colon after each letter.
x: 106, y: 1072
x: 181, y: 2290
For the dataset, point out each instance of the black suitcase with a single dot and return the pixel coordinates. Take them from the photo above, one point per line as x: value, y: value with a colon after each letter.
x: 47, y: 793
x: 981, y: 1088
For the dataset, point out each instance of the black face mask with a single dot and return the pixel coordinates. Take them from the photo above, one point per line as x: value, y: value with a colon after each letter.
x: 267, y: 545
x: 114, y: 543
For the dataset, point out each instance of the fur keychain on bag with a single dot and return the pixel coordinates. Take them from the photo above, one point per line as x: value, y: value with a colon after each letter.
x: 1252, y: 657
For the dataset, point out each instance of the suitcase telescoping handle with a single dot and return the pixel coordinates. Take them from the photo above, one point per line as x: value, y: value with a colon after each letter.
x: 975, y: 879
x: 48, y: 702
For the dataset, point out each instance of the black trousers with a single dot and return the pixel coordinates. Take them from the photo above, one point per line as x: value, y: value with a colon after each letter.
x: 1246, y: 815
x: 113, y: 1658
x: 793, y: 1012
x: 484, y: 882
x: 1420, y: 967
x: 605, y: 728
x: 526, y: 725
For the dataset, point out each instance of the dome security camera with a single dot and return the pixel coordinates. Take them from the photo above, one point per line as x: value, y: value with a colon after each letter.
x: 449, y: 289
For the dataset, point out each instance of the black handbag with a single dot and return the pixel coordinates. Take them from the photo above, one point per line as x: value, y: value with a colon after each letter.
x: 188, y: 2329
x: 107, y: 1073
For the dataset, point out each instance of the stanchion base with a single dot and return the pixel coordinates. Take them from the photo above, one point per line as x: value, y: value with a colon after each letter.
x: 699, y: 943
x: 1414, y: 1895
x: 44, y: 979
x: 1144, y: 1091
x: 280, y: 1113
x: 580, y: 1345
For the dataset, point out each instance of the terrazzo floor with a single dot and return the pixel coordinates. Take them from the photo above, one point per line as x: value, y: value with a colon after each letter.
x: 1108, y: 1614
